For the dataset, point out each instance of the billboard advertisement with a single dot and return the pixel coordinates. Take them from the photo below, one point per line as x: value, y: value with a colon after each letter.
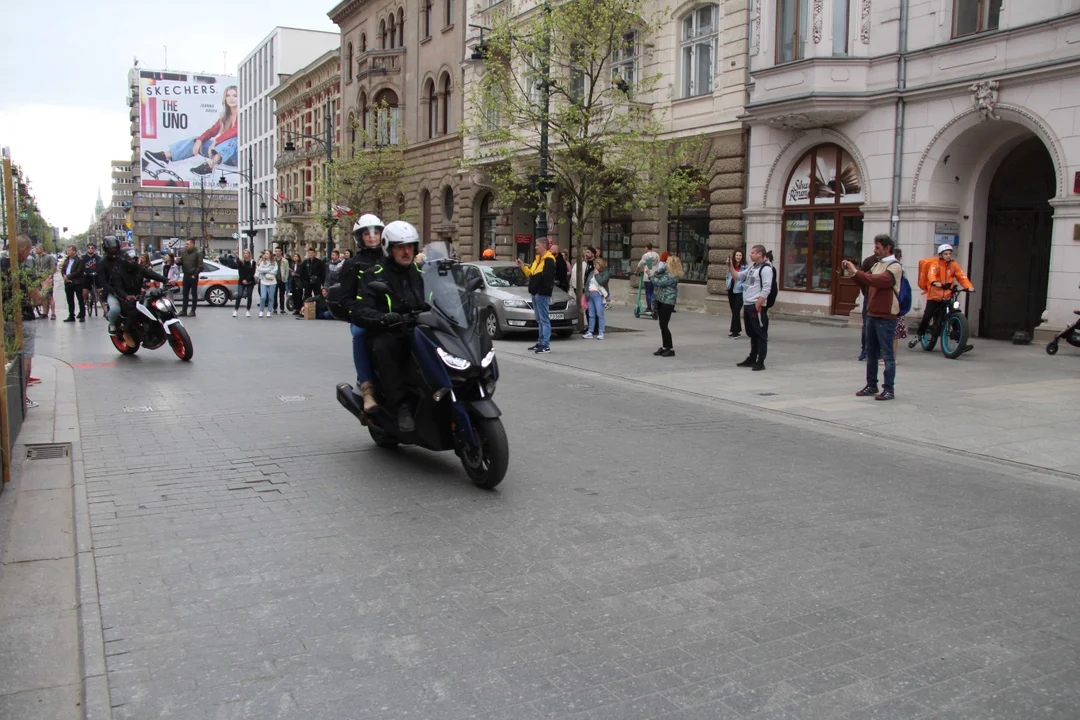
x: 188, y: 130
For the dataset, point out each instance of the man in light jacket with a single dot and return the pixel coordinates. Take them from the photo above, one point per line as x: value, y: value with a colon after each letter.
x: 882, y: 307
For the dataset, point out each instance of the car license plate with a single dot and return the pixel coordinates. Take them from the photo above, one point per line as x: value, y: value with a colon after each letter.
x: 558, y: 316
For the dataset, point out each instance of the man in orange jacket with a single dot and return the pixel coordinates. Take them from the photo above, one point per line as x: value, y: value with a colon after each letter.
x: 940, y: 279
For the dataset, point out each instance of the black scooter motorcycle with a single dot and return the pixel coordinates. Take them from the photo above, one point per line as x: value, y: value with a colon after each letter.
x: 157, y: 324
x: 454, y: 378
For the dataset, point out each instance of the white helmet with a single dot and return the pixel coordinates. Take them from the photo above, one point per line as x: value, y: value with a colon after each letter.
x: 942, y: 248
x: 365, y: 222
x: 400, y: 232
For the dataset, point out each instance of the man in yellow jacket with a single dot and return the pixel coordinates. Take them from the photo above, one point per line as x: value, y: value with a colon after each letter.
x: 541, y: 276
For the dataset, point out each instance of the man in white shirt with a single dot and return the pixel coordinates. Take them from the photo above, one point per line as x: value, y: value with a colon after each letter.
x: 647, y: 262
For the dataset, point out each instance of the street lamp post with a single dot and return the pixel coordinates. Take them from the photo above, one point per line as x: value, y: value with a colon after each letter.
x: 250, y: 177
x: 328, y: 145
x: 543, y: 183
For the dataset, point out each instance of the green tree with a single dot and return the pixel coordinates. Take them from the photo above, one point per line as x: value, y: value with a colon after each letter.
x: 576, y: 67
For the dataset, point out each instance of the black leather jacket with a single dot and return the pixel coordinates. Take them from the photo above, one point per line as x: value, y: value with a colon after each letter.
x: 128, y: 279
x: 406, y: 294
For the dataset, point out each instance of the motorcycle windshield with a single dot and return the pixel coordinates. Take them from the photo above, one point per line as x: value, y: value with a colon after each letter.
x: 444, y: 286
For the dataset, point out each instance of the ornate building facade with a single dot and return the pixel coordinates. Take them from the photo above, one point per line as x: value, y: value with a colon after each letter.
x: 405, y: 56
x: 944, y: 122
x: 305, y: 102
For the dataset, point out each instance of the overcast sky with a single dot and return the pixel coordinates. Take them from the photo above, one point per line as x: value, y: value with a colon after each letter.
x: 63, y: 79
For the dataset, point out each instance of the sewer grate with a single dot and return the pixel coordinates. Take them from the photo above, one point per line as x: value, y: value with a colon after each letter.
x: 766, y: 394
x: 52, y: 451
x: 291, y: 398
x: 139, y: 408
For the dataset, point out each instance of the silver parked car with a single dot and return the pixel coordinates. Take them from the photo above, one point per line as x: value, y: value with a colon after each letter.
x: 505, y: 304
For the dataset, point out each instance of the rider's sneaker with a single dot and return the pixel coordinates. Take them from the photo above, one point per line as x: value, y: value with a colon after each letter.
x: 867, y: 391
x: 367, y: 392
x: 405, y: 421
x: 886, y: 395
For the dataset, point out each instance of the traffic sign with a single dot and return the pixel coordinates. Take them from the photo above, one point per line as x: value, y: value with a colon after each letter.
x: 129, y: 235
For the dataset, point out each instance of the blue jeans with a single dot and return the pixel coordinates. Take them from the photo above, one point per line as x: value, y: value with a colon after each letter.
x: 361, y: 358
x: 865, y: 307
x: 114, y: 308
x: 184, y: 149
x: 649, y: 296
x: 880, y: 334
x: 542, y: 307
x: 596, y: 310
x: 266, y: 296
x: 227, y: 151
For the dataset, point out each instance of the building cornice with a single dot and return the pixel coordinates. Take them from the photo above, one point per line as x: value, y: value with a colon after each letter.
x: 344, y: 9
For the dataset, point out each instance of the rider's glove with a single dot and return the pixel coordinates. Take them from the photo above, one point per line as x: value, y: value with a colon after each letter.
x: 392, y: 318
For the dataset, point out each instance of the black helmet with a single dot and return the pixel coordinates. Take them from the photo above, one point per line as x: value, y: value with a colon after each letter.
x: 111, y: 246
x: 129, y: 254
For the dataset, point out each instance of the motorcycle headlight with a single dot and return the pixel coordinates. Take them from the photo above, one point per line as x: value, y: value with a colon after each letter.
x: 956, y: 304
x: 488, y: 359
x: 162, y: 305
x: 453, y: 360
x: 516, y: 304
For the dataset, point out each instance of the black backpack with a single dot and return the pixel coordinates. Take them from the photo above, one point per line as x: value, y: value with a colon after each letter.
x: 775, y: 284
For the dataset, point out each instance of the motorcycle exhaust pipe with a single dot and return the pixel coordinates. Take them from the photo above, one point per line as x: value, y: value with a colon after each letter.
x: 348, y: 400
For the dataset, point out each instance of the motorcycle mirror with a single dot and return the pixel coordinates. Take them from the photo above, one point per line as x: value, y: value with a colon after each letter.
x: 380, y: 287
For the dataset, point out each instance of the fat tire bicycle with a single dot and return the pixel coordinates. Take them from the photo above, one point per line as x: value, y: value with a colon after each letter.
x: 950, y: 325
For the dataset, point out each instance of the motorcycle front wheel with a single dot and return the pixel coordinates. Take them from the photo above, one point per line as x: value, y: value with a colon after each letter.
x: 486, y: 465
x: 954, y: 336
x: 122, y: 346
x: 180, y: 342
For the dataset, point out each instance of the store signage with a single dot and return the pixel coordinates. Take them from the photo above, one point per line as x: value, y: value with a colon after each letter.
x: 798, y: 225
x: 946, y: 233
x: 521, y: 239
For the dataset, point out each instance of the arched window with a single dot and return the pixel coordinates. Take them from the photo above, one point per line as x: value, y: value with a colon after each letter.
x: 349, y: 64
x: 364, y: 124
x: 822, y: 222
x: 352, y: 135
x: 425, y: 18
x: 425, y: 216
x: 401, y: 27
x: 386, y: 118
x: 445, y: 121
x: 391, y: 30
x: 432, y: 101
x: 698, y: 49
x: 382, y: 34
x: 448, y: 12
x: 363, y: 42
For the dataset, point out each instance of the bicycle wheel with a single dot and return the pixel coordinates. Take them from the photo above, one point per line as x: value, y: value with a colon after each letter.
x: 928, y: 339
x: 955, y: 336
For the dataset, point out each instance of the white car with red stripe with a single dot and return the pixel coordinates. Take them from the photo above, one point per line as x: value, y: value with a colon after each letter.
x: 217, y: 283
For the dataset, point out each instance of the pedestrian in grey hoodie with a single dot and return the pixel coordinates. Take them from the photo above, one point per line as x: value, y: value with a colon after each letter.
x: 757, y: 279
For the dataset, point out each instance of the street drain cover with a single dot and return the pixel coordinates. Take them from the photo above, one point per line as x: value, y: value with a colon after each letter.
x: 291, y: 398
x: 766, y: 394
x: 139, y: 408
x: 51, y: 451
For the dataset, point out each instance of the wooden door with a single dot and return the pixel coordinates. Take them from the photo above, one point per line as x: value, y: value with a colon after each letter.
x: 1017, y: 271
x: 846, y: 246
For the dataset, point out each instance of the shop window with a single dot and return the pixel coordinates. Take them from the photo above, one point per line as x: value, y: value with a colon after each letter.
x: 426, y: 17
x: 823, y: 191
x: 615, y: 245
x: 975, y: 16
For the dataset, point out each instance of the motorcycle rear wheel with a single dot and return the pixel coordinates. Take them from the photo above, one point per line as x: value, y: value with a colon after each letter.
x: 486, y: 467
x: 122, y: 346
x: 180, y: 342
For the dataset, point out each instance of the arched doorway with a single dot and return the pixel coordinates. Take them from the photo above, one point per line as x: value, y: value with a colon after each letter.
x: 1019, y: 226
x: 822, y: 226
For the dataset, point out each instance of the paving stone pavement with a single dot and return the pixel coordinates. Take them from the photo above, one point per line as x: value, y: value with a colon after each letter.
x: 651, y: 554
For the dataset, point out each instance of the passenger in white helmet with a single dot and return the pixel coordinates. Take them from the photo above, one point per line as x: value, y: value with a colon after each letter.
x: 382, y: 314
x: 369, y: 250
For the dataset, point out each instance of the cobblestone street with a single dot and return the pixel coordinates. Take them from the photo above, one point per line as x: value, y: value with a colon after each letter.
x: 652, y: 553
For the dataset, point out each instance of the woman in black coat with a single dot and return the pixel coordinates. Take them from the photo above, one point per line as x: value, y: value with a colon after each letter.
x: 246, y: 268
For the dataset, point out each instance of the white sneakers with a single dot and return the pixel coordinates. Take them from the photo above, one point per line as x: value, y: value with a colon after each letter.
x: 260, y: 313
x: 234, y: 312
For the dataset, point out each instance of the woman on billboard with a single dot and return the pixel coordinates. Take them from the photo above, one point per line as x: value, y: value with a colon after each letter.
x: 216, y: 150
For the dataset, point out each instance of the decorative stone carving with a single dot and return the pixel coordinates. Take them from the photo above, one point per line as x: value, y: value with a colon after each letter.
x: 864, y: 32
x: 984, y: 95
x: 817, y: 20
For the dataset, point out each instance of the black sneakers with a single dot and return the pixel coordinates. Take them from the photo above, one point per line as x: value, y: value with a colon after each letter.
x: 758, y: 366
x: 405, y: 421
x: 659, y: 351
x: 867, y: 391
x: 886, y: 395
x: 748, y: 362
x: 157, y: 157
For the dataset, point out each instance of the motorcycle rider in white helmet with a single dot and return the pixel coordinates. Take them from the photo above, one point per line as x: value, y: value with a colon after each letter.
x: 381, y: 314
x: 369, y: 250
